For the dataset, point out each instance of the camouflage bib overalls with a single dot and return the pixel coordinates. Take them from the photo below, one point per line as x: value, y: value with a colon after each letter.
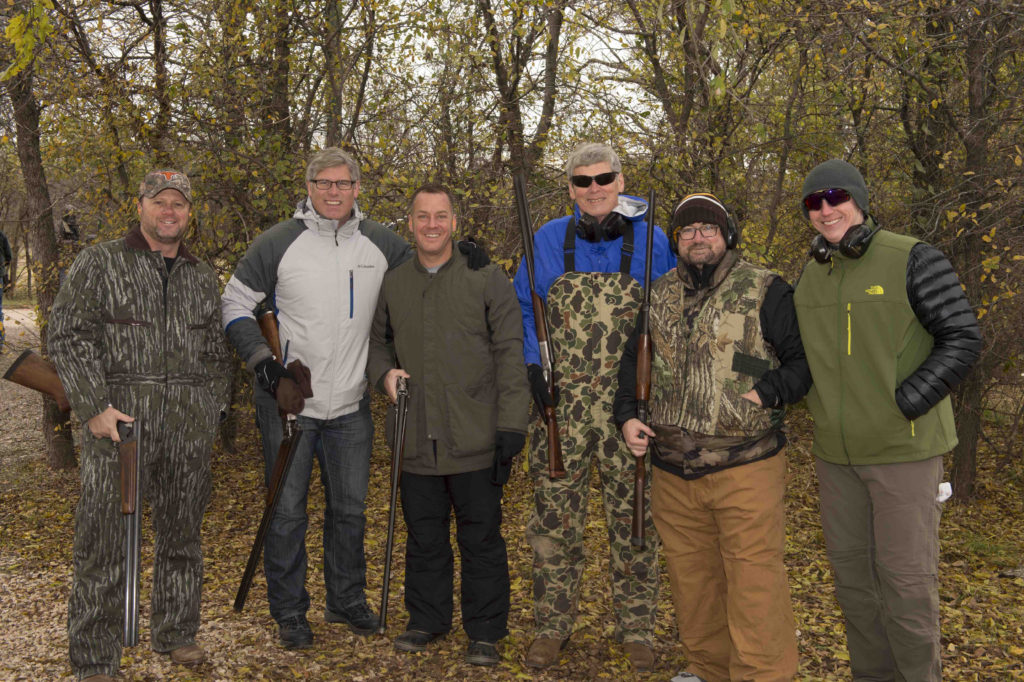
x: 590, y: 315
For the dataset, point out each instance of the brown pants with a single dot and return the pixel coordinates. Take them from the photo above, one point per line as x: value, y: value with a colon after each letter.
x: 881, y: 526
x: 723, y: 537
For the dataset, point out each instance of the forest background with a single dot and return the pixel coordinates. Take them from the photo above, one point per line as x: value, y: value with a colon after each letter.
x: 737, y: 97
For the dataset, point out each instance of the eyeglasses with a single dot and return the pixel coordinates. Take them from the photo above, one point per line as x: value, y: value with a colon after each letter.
x: 601, y: 178
x: 325, y: 185
x: 707, y: 230
x: 834, y: 197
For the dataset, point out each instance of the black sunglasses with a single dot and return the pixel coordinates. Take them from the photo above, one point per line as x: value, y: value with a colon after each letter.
x: 601, y: 178
x: 834, y: 197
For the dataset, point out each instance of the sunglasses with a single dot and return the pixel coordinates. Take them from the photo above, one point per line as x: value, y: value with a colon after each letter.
x: 601, y: 178
x: 834, y: 197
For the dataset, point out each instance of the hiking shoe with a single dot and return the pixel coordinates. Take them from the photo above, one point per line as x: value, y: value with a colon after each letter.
x: 640, y: 656
x: 294, y: 633
x: 481, y: 653
x: 412, y: 641
x: 190, y: 654
x: 687, y: 677
x: 544, y: 651
x: 360, y: 619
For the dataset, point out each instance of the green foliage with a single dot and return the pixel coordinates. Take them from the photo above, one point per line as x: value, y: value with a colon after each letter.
x: 26, y: 32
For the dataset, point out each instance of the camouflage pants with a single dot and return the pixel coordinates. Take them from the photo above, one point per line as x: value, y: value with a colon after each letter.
x: 555, y: 531
x: 176, y: 482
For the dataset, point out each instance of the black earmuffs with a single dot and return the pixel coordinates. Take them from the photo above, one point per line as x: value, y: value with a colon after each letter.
x: 854, y: 243
x: 610, y: 228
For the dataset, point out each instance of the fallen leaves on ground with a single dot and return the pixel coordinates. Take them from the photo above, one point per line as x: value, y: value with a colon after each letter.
x: 982, y: 613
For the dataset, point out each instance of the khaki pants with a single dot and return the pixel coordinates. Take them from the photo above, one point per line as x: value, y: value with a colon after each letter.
x: 881, y: 526
x: 723, y: 536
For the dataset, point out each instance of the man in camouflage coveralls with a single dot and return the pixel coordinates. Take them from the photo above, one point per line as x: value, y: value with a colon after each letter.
x: 727, y: 357
x: 135, y: 335
x: 588, y: 267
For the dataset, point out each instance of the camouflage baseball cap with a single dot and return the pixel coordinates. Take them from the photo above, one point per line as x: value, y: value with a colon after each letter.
x: 159, y: 180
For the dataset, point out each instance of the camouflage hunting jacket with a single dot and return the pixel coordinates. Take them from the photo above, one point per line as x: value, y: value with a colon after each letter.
x: 712, y: 343
x: 122, y: 320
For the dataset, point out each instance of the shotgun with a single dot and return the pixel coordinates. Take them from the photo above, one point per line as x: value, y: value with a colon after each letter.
x: 130, y: 459
x: 397, y: 451
x: 33, y: 371
x: 644, y: 357
x: 540, y: 320
x: 285, y: 455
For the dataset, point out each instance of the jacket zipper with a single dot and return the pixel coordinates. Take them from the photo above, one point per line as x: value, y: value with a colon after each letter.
x: 849, y: 329
x: 351, y: 293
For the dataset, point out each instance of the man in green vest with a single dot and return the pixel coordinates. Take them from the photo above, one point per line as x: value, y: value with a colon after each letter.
x: 727, y: 358
x: 888, y: 333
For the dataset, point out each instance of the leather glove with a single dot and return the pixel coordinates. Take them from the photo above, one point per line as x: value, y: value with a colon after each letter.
x: 302, y: 376
x: 539, y: 387
x: 476, y: 257
x: 276, y: 380
x: 507, y: 444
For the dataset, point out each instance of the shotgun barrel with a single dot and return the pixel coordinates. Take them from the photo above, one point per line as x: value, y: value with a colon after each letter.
x: 397, y: 452
x: 130, y: 457
x: 556, y: 468
x: 644, y: 357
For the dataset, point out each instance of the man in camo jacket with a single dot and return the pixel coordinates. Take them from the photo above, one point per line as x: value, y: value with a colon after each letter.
x: 727, y: 358
x: 135, y: 336
x: 588, y: 267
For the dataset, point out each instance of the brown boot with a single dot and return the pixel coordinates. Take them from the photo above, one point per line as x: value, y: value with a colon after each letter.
x: 640, y: 656
x: 544, y: 651
x: 190, y: 654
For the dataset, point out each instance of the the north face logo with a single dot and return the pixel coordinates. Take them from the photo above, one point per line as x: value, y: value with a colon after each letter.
x: 875, y: 290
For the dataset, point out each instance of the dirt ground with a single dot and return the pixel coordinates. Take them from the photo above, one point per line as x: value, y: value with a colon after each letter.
x: 982, y: 611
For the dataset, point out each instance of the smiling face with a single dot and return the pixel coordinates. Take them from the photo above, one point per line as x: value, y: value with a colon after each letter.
x: 333, y: 203
x: 834, y: 221
x: 596, y: 200
x: 163, y: 220
x: 701, y: 250
x: 432, y: 222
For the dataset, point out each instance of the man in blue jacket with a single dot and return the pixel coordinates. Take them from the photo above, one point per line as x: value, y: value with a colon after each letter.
x: 588, y: 269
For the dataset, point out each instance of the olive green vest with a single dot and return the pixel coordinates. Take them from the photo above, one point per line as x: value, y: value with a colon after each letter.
x: 699, y: 374
x: 862, y: 340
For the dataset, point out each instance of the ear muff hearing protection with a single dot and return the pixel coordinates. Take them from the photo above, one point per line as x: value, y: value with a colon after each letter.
x: 605, y: 230
x: 707, y: 208
x: 854, y: 243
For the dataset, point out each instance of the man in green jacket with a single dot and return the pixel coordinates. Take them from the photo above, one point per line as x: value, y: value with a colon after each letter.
x: 888, y: 334
x: 456, y: 335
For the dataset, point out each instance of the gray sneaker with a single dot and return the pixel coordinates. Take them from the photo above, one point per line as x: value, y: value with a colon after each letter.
x: 687, y: 677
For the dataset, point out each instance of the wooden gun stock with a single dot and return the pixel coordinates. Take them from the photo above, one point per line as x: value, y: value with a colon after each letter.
x: 268, y: 327
x: 31, y: 370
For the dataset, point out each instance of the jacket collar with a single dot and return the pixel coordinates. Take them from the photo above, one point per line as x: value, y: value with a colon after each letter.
x: 455, y: 254
x: 136, y: 241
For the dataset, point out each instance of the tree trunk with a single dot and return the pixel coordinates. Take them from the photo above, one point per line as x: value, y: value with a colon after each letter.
x: 968, y: 427
x: 60, y: 451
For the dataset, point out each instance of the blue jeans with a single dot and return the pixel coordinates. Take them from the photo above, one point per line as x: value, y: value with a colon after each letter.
x: 342, y: 446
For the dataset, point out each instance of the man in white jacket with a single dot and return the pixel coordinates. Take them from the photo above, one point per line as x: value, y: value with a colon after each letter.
x: 322, y: 270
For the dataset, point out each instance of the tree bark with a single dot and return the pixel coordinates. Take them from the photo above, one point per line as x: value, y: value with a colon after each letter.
x: 60, y: 450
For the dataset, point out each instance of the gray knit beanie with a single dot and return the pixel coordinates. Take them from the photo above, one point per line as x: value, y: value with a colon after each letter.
x: 836, y: 173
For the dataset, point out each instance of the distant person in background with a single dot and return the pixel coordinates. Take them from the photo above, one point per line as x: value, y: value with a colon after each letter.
x: 6, y: 256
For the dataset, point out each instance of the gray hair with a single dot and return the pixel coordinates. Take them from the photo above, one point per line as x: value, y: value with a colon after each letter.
x: 589, y: 153
x: 331, y: 157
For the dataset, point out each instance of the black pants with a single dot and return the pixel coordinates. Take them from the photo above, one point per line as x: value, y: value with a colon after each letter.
x: 427, y: 502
